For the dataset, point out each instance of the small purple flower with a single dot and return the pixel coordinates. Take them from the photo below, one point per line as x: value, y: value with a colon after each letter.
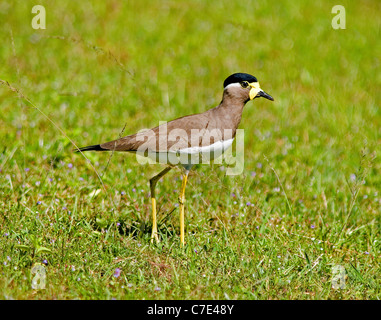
x: 123, y: 193
x: 64, y: 208
x: 6, y: 234
x: 81, y: 179
x: 39, y: 202
x: 312, y: 226
x: 70, y: 165
x: 366, y: 252
x: 253, y: 173
x: 195, y: 250
x: 259, y: 165
x: 118, y: 224
x: 248, y: 203
x: 37, y: 183
x: 8, y: 258
x: 45, y: 262
x: 232, y: 195
x: 50, y: 179
x: 26, y: 169
x: 117, y: 272
x: 133, y: 190
x: 352, y: 177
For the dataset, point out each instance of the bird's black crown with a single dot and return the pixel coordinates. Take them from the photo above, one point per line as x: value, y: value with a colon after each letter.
x: 239, y: 77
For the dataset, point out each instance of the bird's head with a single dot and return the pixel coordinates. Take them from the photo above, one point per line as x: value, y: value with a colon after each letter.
x: 244, y: 86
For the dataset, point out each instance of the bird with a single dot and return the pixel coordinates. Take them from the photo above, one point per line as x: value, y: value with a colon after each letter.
x: 189, y: 140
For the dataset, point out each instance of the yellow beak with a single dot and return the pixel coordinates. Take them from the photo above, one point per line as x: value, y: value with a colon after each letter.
x: 256, y: 91
x: 255, y: 88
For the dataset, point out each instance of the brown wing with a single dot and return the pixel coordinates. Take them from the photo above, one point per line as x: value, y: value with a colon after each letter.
x: 185, y: 132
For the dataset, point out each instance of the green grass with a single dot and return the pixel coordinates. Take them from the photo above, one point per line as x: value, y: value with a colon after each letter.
x: 309, y: 198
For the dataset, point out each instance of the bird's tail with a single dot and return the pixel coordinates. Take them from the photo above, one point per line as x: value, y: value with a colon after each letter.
x: 96, y: 147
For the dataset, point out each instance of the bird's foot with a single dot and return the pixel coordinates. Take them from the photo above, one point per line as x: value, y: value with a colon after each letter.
x: 154, y: 236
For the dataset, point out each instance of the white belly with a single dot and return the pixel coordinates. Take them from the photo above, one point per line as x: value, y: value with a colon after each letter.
x: 190, y: 156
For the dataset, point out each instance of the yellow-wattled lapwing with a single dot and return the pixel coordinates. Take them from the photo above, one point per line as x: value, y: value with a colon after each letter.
x: 190, y: 139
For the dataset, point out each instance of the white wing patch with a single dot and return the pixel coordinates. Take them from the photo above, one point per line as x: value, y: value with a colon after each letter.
x: 190, y: 156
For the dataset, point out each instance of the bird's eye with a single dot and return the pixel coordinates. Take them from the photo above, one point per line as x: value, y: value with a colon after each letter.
x: 244, y: 84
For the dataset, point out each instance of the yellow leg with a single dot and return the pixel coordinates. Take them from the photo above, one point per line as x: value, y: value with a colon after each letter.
x: 153, y: 183
x: 182, y: 201
x: 154, y: 223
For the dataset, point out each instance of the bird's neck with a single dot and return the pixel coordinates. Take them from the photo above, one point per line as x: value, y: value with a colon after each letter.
x: 231, y: 108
